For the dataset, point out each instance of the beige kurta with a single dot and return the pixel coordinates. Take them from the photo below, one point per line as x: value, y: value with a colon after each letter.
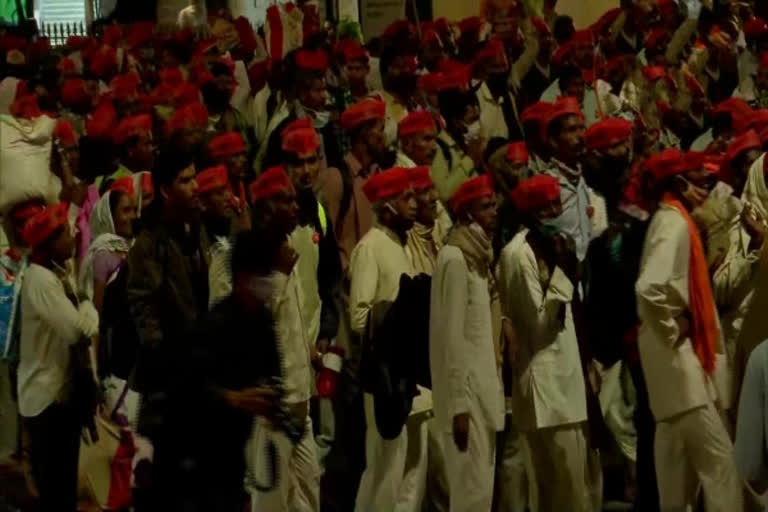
x: 303, y: 242
x: 448, y: 175
x: 425, y: 242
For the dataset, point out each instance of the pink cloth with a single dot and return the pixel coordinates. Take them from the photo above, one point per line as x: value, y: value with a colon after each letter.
x: 82, y: 222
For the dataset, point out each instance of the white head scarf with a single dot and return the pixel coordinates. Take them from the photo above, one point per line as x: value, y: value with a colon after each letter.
x: 103, y: 238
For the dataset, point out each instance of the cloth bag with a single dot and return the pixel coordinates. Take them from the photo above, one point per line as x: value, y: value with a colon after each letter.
x: 25, y: 158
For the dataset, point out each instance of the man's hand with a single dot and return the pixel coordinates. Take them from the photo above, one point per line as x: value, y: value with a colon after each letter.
x: 476, y: 149
x: 461, y: 431
x: 683, y: 326
x: 257, y: 401
x: 287, y: 259
x: 754, y: 225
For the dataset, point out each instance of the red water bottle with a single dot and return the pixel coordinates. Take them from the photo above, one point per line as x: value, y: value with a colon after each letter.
x: 328, y: 376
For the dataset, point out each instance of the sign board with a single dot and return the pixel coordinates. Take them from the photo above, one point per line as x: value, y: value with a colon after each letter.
x: 376, y: 15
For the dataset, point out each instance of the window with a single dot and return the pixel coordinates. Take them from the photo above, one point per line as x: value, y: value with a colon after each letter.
x: 60, y: 11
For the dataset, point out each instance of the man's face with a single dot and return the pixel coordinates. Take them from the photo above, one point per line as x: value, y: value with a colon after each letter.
x: 401, y: 76
x: 143, y: 152
x: 375, y: 139
x: 405, y: 207
x: 426, y: 206
x: 356, y: 72
x: 695, y: 186
x: 236, y: 165
x: 576, y: 88
x: 285, y: 210
x: 218, y: 204
x: 483, y: 212
x: 226, y: 84
x: 182, y: 193
x: 569, y: 145
x: 192, y: 137
x: 761, y: 80
x: 314, y: 96
x: 621, y: 152
x: 421, y: 147
x: 552, y: 211
x: 63, y: 246
x: 303, y: 170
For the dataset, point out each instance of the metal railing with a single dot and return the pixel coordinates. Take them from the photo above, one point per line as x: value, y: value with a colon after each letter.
x: 58, y: 33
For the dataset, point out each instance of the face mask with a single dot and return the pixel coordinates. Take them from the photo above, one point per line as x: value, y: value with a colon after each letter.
x: 261, y: 288
x: 548, y: 228
x: 473, y: 132
x: 320, y: 118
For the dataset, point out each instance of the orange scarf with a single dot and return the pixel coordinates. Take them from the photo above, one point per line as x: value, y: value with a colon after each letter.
x: 704, y: 329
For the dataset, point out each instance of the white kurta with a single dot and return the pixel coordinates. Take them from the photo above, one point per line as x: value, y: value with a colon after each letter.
x: 676, y: 380
x: 549, y: 387
x: 303, y: 242
x: 492, y: 120
x: 219, y: 273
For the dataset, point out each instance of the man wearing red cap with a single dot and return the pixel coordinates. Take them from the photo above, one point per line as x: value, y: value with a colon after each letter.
x: 55, y: 329
x: 216, y: 203
x: 565, y: 132
x: 534, y: 122
x: 680, y: 345
x: 398, y: 71
x: 463, y: 348
x: 376, y: 266
x: 417, y: 134
x: 426, y: 237
x: 274, y: 199
x: 348, y: 206
x: 549, y: 407
x: 133, y: 137
x: 228, y: 149
x: 491, y: 69
x: 356, y: 67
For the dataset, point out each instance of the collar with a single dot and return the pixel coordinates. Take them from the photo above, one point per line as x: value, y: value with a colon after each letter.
x: 391, y: 234
x: 565, y: 170
x: 631, y: 41
x: 713, y: 74
x: 698, y: 121
x: 446, y: 137
x: 545, y: 71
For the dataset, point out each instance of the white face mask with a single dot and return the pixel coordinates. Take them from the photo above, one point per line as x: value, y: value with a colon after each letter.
x: 473, y: 132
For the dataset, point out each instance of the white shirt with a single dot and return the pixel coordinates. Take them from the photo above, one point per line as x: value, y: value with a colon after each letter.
x: 50, y: 324
x: 305, y: 244
x: 548, y: 388
x: 575, y: 220
x: 219, y: 272
x: 492, y: 120
x: 462, y: 355
x: 676, y: 380
x: 287, y: 308
x: 377, y: 263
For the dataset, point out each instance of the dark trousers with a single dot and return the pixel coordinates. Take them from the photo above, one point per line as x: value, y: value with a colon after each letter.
x: 645, y: 425
x: 54, y: 451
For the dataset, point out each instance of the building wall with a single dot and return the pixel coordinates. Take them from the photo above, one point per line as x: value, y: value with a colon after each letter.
x: 584, y: 12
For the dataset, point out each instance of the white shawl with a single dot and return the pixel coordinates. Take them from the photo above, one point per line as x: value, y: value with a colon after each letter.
x: 756, y: 191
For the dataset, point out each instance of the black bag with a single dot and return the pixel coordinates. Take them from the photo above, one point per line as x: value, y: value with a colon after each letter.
x: 396, y: 357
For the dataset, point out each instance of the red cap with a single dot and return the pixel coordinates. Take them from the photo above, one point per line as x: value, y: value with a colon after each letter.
x: 656, y: 39
x: 352, y: 51
x: 125, y: 185
x: 27, y: 210
x: 566, y: 106
x: 172, y: 76
x: 420, y: 178
x: 104, y: 62
x: 102, y: 121
x: 386, y: 185
x: 65, y: 134
x: 146, y: 183
x: 738, y: 109
x: 755, y: 28
x: 583, y: 38
x: 191, y: 115
x: 758, y: 120
x: 664, y: 164
x: 73, y: 92
x: 399, y: 31
x: 653, y: 73
x: 226, y: 144
x: 365, y: 110
x: 67, y: 67
x: 741, y: 144
x: 140, y: 34
x: 300, y: 137
x: 75, y: 43
x: 563, y: 51
x: 764, y: 60
x: 764, y: 135
x: 316, y: 60
x: 125, y: 86
x: 417, y: 122
x: 471, y: 24
x: 541, y: 26
x: 132, y: 127
x: 454, y: 75
x: 212, y: 178
x: 693, y: 161
x: 25, y: 107
x: 429, y: 34
x: 39, y: 228
x: 248, y: 41
x: 431, y: 82
x: 492, y: 51
x: 112, y: 35
x: 538, y: 112
x: 713, y: 163
x: 476, y: 188
x: 607, y: 133
x: 271, y: 182
x: 535, y: 193
x: 517, y: 153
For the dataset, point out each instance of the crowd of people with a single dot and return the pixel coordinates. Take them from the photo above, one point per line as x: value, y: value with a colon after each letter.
x: 498, y: 264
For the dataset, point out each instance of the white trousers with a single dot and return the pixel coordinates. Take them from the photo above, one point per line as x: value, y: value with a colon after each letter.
x: 562, y: 472
x: 511, y: 479
x: 395, y: 473
x: 470, y: 473
x: 691, y: 450
x: 298, y: 487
